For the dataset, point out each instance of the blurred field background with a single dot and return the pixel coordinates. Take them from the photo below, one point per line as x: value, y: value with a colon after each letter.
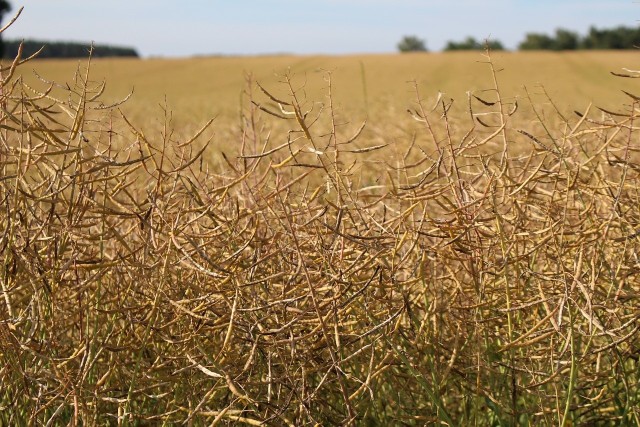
x: 197, y: 89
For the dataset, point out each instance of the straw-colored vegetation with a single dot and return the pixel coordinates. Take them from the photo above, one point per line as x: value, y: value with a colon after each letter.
x: 466, y: 265
x: 198, y: 88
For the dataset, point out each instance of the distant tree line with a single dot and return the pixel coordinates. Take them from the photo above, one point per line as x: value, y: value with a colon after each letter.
x: 64, y: 49
x: 471, y: 43
x: 563, y: 39
x: 614, y: 38
x: 5, y: 7
x: 412, y: 44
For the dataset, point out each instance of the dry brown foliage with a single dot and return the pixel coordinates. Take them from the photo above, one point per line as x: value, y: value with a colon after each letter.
x: 490, y: 276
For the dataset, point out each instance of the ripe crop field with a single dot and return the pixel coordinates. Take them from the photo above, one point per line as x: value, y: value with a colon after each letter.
x: 199, y: 88
x: 433, y: 239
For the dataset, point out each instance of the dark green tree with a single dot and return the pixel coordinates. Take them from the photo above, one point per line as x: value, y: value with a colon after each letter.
x: 54, y: 49
x: 5, y: 8
x: 412, y: 44
x: 471, y: 43
x: 615, y: 38
x: 493, y: 45
x: 537, y: 41
x: 566, y: 40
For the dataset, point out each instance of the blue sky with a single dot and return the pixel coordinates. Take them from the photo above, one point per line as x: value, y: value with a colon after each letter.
x: 175, y: 28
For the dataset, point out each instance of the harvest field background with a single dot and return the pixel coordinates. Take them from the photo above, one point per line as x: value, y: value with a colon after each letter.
x: 199, y: 88
x: 471, y: 261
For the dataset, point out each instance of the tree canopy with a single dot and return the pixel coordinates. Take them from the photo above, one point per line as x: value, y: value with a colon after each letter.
x: 64, y: 49
x: 412, y: 44
x: 471, y: 43
x: 5, y: 7
x: 614, y: 38
x: 562, y: 39
x: 9, y: 48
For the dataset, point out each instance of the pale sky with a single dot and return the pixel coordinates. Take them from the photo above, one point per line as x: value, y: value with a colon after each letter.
x: 200, y: 27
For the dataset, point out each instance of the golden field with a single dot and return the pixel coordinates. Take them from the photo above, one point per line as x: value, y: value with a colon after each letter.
x: 200, y: 88
x: 359, y: 252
